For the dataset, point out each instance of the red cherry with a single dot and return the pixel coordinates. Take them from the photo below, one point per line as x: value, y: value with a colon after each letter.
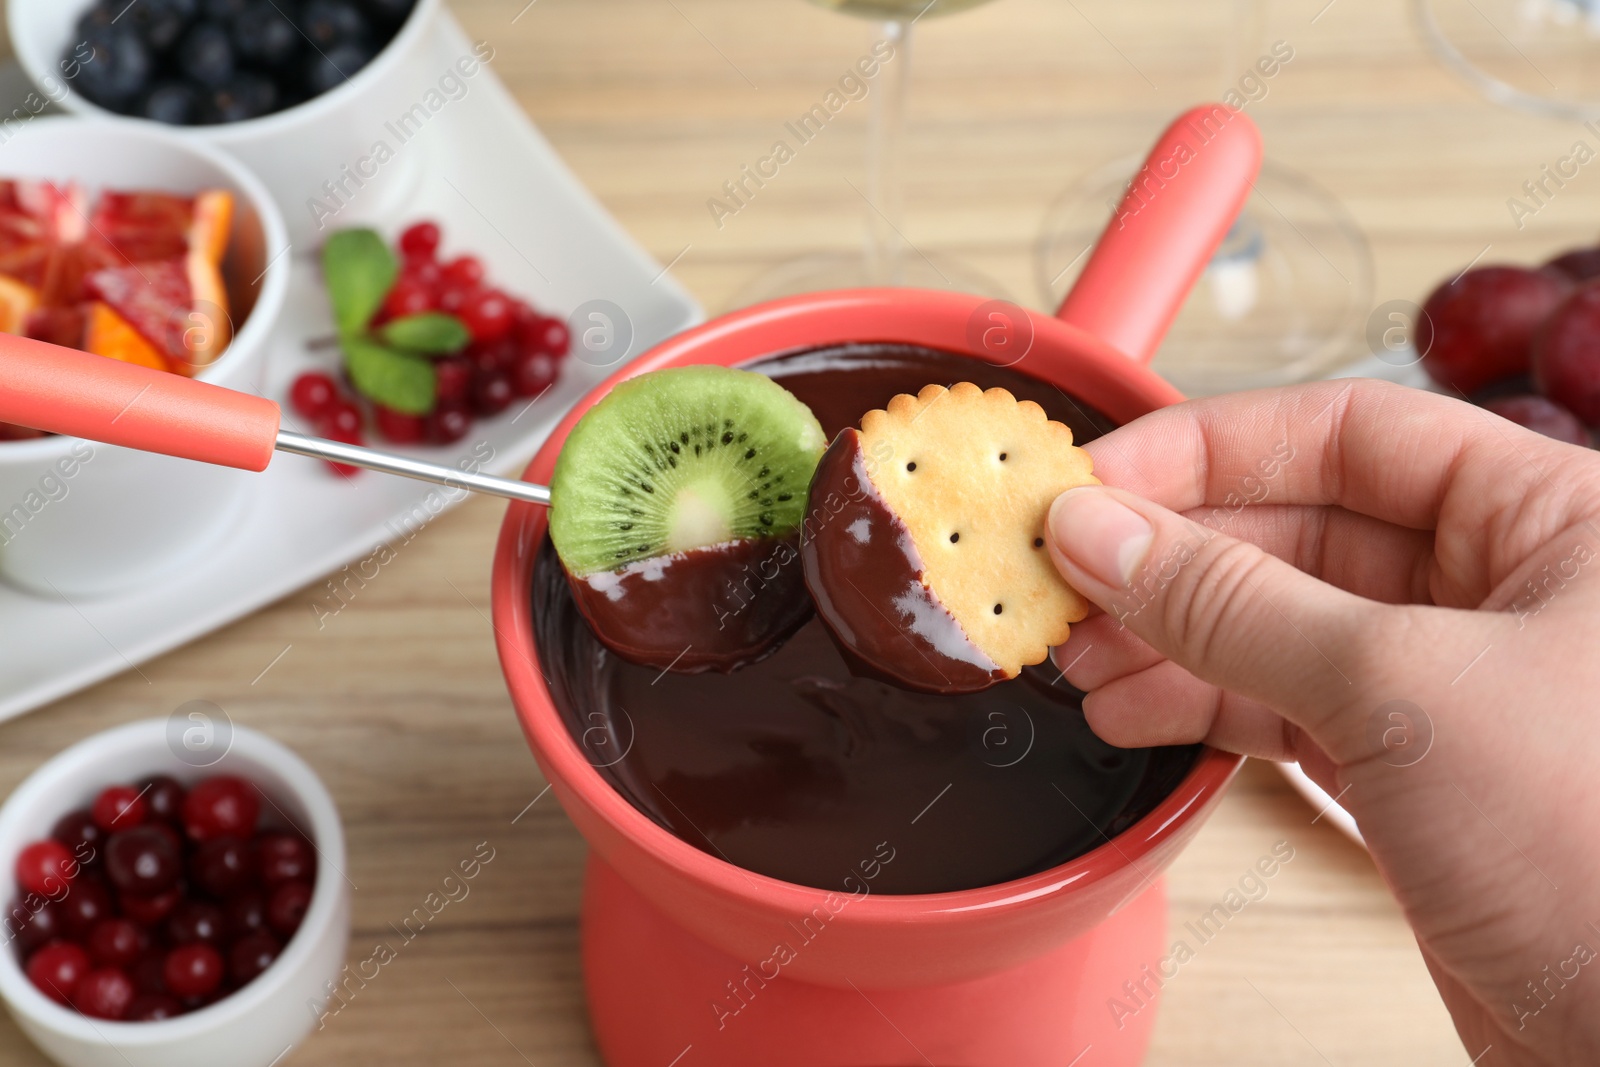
x: 454, y: 376
x: 82, y: 835
x: 46, y: 868
x: 312, y: 393
x: 219, y: 806
x: 491, y: 393
x: 57, y: 969
x: 119, y: 807
x: 149, y: 972
x: 195, y: 920
x: 464, y: 271
x: 1566, y: 354
x: 153, y: 1008
x: 33, y: 926
x: 192, y: 970
x: 87, y: 904
x: 165, y: 797
x: 420, y: 240
x: 448, y: 424
x: 104, y: 994
x: 397, y: 426
x: 284, y: 857
x: 408, y: 297
x: 287, y: 906
x: 150, y: 910
x: 246, y: 914
x: 143, y: 861
x: 1579, y: 264
x: 223, y: 866
x: 116, y: 943
x: 488, y: 316
x: 1478, y: 329
x: 1542, y: 416
x: 534, y: 373
x: 251, y: 955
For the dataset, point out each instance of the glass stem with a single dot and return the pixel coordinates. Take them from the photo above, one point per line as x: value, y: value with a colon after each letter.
x: 885, y: 252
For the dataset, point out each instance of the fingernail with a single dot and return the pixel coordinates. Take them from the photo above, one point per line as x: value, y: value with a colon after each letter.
x: 1100, y: 534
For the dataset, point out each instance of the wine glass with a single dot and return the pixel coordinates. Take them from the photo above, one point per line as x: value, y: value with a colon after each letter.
x: 1285, y: 296
x: 886, y: 257
x: 1539, y: 55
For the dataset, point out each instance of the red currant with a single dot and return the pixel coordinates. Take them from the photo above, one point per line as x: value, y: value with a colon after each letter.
x: 342, y: 424
x: 464, y: 271
x: 104, y: 994
x: 311, y: 394
x: 408, y: 297
x: 549, y: 336
x: 488, y: 316
x: 153, y: 1008
x: 223, y: 866
x: 116, y: 943
x: 454, y: 376
x: 251, y: 955
x: 491, y: 393
x: 420, y: 240
x: 534, y: 373
x: 449, y: 423
x: 288, y: 905
x: 220, y: 806
x: 57, y: 969
x: 148, y: 911
x: 192, y: 970
x: 454, y: 297
x: 426, y: 273
x: 397, y: 426
x: 284, y: 857
x: 87, y: 904
x: 119, y: 807
x: 45, y: 867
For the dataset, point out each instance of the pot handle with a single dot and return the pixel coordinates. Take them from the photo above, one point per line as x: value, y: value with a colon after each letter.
x: 66, y: 391
x: 1174, y: 215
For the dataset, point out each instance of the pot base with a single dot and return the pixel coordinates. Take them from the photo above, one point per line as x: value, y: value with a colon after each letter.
x: 657, y: 996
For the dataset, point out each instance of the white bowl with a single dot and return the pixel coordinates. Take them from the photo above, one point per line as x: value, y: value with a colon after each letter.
x: 298, y: 150
x: 253, y: 1027
x: 119, y: 519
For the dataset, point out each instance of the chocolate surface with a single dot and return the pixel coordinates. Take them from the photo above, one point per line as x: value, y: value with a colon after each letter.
x: 865, y: 577
x: 800, y: 768
x: 714, y: 608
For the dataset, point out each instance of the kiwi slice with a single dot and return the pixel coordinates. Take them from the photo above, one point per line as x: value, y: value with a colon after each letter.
x: 679, y: 459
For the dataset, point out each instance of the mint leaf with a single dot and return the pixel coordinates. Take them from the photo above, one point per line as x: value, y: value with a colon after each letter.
x: 405, y: 383
x: 431, y: 332
x: 360, y: 270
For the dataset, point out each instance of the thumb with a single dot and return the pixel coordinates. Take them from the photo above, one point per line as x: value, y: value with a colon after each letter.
x: 1223, y: 609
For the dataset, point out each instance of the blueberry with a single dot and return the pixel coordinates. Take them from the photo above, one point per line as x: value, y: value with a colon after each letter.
x: 388, y: 12
x: 329, y: 23
x: 205, y: 55
x: 223, y: 10
x: 338, y: 66
x: 162, y: 22
x: 99, y: 17
x: 117, y: 71
x: 262, y: 35
x: 174, y: 103
x: 247, y: 96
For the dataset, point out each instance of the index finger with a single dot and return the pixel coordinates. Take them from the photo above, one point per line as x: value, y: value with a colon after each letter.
x: 1380, y: 449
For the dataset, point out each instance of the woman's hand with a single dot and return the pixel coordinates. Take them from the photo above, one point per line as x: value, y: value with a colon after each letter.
x: 1402, y: 592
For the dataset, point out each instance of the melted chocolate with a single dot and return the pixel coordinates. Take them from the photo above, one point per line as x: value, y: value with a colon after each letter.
x: 865, y: 577
x: 715, y: 608
x: 799, y: 768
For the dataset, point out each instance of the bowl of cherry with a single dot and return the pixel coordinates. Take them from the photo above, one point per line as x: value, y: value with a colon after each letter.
x: 163, y: 914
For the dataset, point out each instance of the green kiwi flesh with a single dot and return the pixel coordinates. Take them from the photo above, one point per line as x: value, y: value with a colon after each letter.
x: 678, y: 459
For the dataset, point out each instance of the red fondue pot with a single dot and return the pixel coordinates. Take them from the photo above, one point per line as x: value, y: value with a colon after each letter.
x: 690, y: 960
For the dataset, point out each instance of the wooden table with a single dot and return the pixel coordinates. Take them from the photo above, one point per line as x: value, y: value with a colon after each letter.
x: 398, y: 702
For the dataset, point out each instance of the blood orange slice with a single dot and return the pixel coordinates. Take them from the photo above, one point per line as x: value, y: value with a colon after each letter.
x: 111, y: 335
x: 142, y: 227
x: 178, y: 305
x: 17, y: 299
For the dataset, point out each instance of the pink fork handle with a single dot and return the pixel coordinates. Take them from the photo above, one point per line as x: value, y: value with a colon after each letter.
x: 1169, y: 223
x: 66, y: 391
